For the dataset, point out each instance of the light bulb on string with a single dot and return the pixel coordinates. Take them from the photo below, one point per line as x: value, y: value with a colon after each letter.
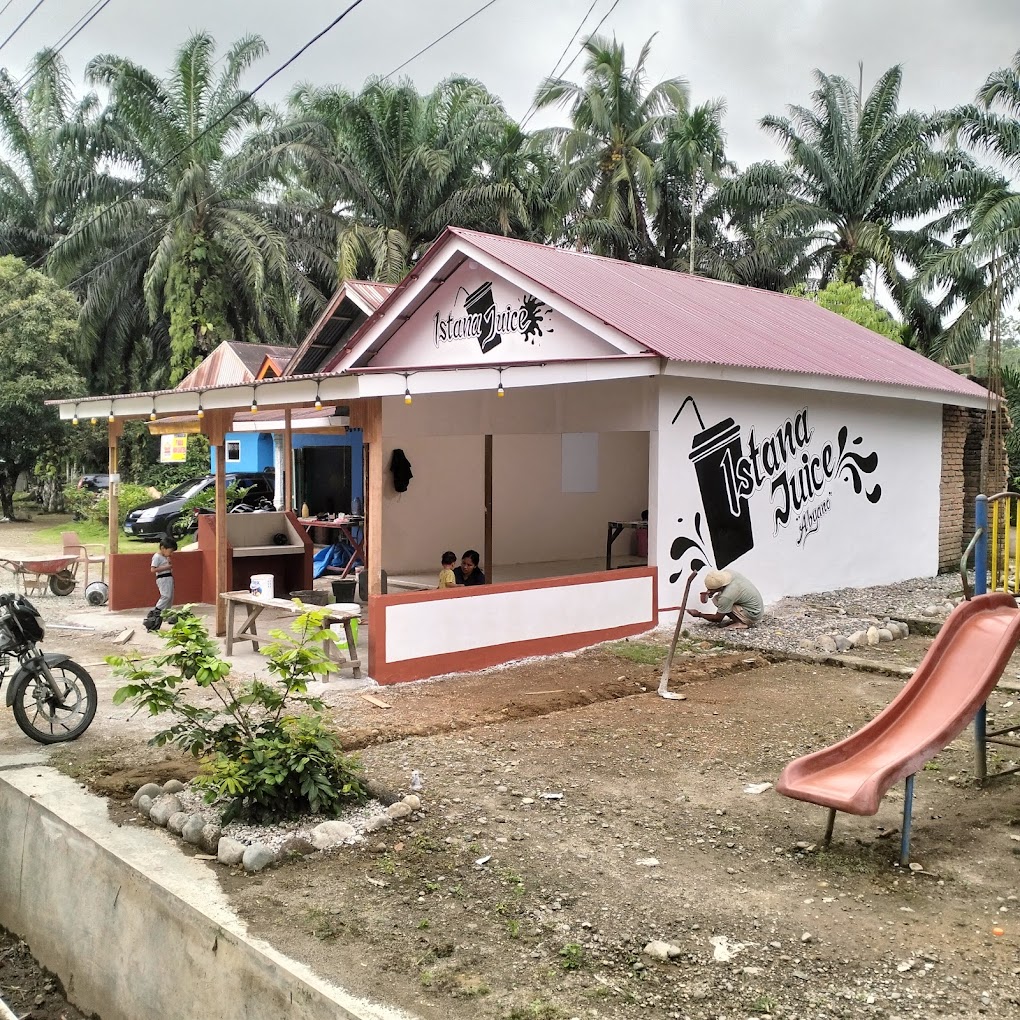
x: 408, y: 399
x: 110, y: 418
x: 318, y: 399
x: 499, y: 390
x: 254, y: 402
x: 152, y: 413
x: 74, y: 418
x: 201, y: 412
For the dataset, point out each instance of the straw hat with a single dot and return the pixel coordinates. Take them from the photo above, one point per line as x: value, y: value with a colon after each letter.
x: 716, y: 579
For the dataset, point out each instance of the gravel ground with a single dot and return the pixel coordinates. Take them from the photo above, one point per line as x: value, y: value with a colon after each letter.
x: 797, y: 622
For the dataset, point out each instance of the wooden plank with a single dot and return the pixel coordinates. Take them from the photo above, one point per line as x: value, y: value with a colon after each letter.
x: 374, y: 509
x: 378, y: 702
x: 114, y: 431
x: 487, y: 547
x: 288, y: 460
x: 218, y: 423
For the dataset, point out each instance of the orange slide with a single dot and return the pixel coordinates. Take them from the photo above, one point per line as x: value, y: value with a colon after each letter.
x: 956, y: 676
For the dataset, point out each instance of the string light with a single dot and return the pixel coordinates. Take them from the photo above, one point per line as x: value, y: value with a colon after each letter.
x: 318, y: 399
x: 152, y: 413
x: 499, y: 389
x: 93, y: 420
x: 201, y: 413
x: 110, y: 418
x: 408, y: 399
x: 74, y: 419
x: 254, y: 402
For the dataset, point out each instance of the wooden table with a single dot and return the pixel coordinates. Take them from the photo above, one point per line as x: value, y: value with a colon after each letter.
x: 256, y: 606
x: 613, y: 531
x: 346, y: 526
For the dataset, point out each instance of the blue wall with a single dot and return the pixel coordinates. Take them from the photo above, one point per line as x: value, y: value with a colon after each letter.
x: 257, y: 453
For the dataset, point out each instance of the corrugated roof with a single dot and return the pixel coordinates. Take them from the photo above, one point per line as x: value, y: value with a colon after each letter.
x: 232, y: 364
x: 692, y: 319
x: 335, y: 323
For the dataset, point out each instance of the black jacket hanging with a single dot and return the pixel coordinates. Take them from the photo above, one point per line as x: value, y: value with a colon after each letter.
x: 400, y: 467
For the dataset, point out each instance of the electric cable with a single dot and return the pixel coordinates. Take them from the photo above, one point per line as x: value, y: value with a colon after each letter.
x: 435, y: 42
x: 21, y: 23
x: 66, y: 39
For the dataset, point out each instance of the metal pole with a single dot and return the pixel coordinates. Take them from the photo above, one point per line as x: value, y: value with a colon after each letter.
x: 829, y: 826
x: 981, y: 588
x: 908, y: 813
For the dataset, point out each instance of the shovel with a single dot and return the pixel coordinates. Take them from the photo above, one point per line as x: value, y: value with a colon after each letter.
x: 664, y: 682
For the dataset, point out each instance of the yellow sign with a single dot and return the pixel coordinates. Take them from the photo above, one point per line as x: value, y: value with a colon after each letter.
x: 173, y: 449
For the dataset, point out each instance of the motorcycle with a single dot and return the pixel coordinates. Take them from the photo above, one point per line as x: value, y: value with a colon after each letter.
x: 53, y: 698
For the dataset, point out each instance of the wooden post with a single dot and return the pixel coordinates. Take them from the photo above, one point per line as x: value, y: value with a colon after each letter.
x: 217, y: 423
x: 372, y: 432
x: 115, y: 430
x: 288, y: 461
x: 487, y: 549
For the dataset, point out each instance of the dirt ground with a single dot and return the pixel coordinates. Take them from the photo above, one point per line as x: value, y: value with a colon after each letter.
x: 26, y: 988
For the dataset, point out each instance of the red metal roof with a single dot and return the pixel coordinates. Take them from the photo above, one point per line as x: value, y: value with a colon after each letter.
x: 232, y: 364
x: 692, y: 319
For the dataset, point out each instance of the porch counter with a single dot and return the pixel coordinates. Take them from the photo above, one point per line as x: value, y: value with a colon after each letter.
x: 256, y: 606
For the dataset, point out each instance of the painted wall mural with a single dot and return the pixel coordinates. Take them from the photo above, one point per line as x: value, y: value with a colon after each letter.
x: 475, y: 316
x: 800, y: 469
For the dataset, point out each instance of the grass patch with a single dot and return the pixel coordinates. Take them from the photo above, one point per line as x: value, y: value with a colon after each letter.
x: 537, y: 1010
x: 87, y: 531
x: 644, y: 653
x: 323, y: 926
x: 572, y: 956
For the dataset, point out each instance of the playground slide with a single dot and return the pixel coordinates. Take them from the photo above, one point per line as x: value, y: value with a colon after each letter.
x: 956, y: 676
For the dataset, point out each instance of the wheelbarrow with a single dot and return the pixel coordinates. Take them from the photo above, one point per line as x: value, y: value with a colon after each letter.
x: 59, y: 573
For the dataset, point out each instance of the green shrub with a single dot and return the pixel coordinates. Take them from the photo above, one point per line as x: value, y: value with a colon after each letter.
x: 166, y: 476
x: 129, y: 497
x: 264, y: 759
x: 79, y: 503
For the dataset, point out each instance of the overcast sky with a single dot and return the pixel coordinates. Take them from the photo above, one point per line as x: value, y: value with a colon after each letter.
x: 758, y: 54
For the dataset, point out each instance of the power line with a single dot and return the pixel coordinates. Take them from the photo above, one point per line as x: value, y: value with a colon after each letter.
x: 3, y: 10
x: 21, y: 23
x: 435, y: 42
x: 66, y: 39
x: 528, y: 113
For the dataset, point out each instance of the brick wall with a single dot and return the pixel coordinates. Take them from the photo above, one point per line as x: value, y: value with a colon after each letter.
x: 962, y: 441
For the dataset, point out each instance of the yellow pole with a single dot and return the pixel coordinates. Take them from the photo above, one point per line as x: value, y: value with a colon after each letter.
x: 995, y: 545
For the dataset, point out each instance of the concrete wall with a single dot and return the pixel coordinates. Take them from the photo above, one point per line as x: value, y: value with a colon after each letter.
x: 131, y: 925
x: 533, y: 519
x: 868, y: 515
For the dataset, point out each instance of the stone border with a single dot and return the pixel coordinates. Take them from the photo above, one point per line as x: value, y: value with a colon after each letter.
x: 114, y: 910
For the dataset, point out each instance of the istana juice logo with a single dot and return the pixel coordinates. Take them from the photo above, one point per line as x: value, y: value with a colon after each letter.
x: 478, y: 317
x: 799, y: 471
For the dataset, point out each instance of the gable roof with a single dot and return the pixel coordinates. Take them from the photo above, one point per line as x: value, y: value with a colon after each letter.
x: 233, y: 363
x: 348, y: 308
x: 694, y: 320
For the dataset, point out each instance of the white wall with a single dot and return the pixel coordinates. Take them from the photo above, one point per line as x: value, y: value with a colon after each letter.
x: 533, y: 519
x: 856, y: 543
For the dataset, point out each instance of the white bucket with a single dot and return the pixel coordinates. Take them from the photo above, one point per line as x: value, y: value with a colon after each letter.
x: 338, y: 628
x: 262, y: 586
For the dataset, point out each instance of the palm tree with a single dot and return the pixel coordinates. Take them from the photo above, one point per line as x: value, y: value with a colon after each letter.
x: 857, y: 172
x: 692, y: 161
x: 617, y: 126
x: 191, y: 227
x: 399, y: 166
x: 43, y: 173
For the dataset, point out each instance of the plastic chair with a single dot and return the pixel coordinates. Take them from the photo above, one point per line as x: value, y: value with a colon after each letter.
x: 73, y: 546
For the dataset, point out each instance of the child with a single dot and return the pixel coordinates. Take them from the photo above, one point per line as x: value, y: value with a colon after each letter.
x: 446, y: 578
x: 164, y: 582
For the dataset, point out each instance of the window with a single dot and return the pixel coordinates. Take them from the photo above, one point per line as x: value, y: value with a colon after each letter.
x: 233, y: 451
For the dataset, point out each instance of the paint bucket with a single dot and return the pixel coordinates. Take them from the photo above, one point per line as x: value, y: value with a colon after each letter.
x: 97, y: 593
x: 344, y: 588
x: 338, y: 628
x: 262, y: 586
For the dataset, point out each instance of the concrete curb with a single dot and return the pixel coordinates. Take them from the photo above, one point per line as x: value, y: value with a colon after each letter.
x: 133, y: 927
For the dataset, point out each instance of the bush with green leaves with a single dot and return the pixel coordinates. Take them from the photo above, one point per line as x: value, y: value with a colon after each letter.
x: 79, y: 503
x: 262, y: 757
x: 129, y: 497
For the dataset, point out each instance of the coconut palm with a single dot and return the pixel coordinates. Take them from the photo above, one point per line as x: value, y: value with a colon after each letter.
x: 43, y: 174
x: 857, y: 172
x: 609, y: 150
x: 190, y: 229
x: 399, y: 166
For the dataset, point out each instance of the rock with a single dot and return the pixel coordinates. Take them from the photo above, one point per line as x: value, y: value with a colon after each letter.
x: 413, y: 802
x: 647, y: 862
x: 858, y: 638
x: 151, y: 790
x: 398, y: 810
x: 257, y: 856
x: 806, y: 937
x: 209, y: 838
x: 885, y: 634
x: 723, y: 950
x: 377, y: 822
x: 230, y: 851
x: 328, y: 834
x: 826, y: 643
x: 806, y: 643
x: 873, y: 638
x: 192, y: 831
x: 755, y: 788
x: 843, y: 644
x: 295, y: 846
x: 163, y: 807
x: 173, y: 786
x: 659, y: 950
x: 175, y: 823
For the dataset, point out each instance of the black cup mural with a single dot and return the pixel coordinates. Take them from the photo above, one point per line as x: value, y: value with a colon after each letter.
x: 798, y: 473
x: 479, y: 302
x: 526, y: 319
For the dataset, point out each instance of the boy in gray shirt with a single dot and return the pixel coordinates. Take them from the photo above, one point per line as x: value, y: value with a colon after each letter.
x: 738, y: 602
x: 163, y: 573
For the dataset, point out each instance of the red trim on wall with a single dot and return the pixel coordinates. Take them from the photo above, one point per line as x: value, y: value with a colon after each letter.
x: 473, y: 659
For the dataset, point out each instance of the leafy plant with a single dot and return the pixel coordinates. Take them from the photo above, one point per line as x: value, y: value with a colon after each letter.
x: 572, y: 956
x: 79, y: 503
x: 264, y: 759
x: 129, y: 497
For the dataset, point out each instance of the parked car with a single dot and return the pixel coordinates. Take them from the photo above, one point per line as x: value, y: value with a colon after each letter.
x: 94, y: 483
x: 158, y: 517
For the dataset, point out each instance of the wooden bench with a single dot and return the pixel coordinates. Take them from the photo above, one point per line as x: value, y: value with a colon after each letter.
x: 256, y: 606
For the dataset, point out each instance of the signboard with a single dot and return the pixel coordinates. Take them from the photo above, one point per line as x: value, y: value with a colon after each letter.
x: 173, y: 449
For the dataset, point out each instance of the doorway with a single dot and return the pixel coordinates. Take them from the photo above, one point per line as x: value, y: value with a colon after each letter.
x: 323, y: 477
